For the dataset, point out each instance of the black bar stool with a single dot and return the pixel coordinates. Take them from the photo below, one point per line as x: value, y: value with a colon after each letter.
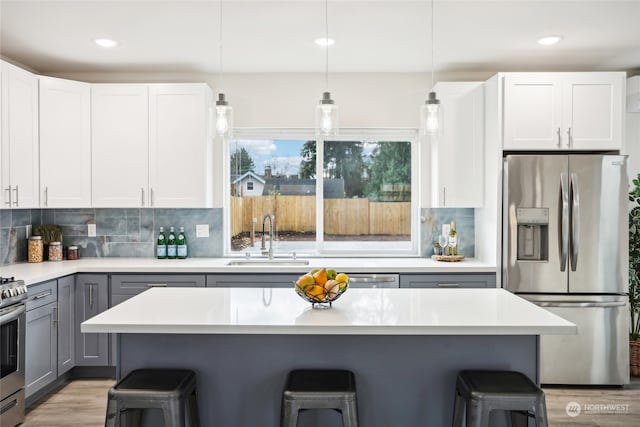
x: 171, y: 390
x: 319, y: 389
x: 485, y: 391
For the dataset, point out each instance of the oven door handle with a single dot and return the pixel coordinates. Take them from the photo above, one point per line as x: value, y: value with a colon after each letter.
x: 11, y: 314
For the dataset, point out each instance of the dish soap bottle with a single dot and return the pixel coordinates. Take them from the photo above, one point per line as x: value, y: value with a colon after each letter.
x: 161, y: 247
x: 182, y: 244
x: 171, y: 244
x: 452, y: 248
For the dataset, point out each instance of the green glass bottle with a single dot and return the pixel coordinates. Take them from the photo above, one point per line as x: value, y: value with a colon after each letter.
x: 182, y: 244
x: 161, y: 247
x: 171, y: 244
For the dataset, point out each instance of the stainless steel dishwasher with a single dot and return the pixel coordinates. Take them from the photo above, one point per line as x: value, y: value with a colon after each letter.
x: 374, y: 280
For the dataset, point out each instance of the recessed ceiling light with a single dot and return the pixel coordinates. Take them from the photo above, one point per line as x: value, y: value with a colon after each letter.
x: 324, y: 41
x: 549, y: 40
x: 105, y: 42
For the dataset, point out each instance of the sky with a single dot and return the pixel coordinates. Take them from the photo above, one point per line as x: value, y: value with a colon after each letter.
x: 282, y: 155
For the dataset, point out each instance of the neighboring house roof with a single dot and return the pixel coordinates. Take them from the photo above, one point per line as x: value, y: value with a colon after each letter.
x: 333, y: 188
x: 249, y: 174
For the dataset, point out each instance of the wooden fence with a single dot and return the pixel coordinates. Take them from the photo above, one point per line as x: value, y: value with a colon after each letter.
x: 341, y: 216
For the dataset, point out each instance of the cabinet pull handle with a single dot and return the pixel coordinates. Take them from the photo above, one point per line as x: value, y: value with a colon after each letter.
x: 142, y: 196
x: 570, y: 138
x: 91, y: 295
x: 55, y: 316
x: 17, y: 194
x: 448, y: 285
x: 559, y: 137
x: 156, y: 285
x: 8, y: 190
x: 151, y: 193
x: 46, y: 196
x: 42, y: 295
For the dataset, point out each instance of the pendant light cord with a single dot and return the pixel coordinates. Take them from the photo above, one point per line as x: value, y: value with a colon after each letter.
x: 220, y: 45
x: 433, y: 32
x: 326, y: 39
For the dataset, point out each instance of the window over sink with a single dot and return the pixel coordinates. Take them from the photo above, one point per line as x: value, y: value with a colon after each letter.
x: 351, y: 195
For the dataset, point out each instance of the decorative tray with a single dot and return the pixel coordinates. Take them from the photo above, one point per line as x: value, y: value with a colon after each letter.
x: 447, y: 258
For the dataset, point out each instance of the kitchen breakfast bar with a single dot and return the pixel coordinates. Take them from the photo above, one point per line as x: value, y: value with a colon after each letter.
x: 405, y: 346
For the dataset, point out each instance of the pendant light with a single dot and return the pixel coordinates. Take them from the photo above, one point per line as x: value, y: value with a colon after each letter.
x: 224, y: 112
x: 431, y: 111
x: 326, y: 110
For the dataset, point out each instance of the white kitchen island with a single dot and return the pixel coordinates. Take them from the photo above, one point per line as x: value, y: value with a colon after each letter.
x: 405, y: 346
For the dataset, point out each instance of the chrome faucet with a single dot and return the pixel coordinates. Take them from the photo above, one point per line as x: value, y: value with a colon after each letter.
x: 263, y: 248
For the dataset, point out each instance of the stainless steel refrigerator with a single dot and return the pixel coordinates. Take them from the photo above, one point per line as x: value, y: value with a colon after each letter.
x: 565, y: 248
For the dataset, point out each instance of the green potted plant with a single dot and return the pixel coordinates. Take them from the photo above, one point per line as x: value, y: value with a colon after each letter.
x: 634, y: 279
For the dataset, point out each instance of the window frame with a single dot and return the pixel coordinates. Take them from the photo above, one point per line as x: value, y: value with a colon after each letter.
x: 412, y: 247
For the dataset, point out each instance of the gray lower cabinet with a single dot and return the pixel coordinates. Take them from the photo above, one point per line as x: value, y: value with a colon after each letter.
x: 448, y: 280
x: 66, y: 324
x: 125, y: 286
x: 92, y: 297
x: 251, y: 280
x: 41, y: 337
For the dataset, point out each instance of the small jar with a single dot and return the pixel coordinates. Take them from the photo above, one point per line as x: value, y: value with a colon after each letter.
x: 36, y: 249
x: 55, y: 251
x: 73, y: 253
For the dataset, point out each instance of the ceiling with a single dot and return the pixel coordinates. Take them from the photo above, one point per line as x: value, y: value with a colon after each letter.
x: 278, y: 36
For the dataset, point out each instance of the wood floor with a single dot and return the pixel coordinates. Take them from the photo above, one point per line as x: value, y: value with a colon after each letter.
x: 82, y: 403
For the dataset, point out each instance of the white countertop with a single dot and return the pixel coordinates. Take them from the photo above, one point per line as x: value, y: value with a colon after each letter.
x: 35, y: 273
x: 357, y: 312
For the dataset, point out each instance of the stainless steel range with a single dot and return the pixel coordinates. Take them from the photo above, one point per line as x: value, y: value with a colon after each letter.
x: 13, y: 294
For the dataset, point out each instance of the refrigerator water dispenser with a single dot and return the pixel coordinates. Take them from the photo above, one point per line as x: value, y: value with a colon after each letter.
x: 533, y: 234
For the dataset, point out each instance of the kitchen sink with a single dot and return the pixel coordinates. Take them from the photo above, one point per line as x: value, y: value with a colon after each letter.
x: 278, y: 262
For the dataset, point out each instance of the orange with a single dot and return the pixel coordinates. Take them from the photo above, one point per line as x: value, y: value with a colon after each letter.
x: 305, y: 280
x: 315, y: 292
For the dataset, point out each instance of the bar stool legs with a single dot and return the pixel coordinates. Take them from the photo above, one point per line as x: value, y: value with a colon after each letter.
x: 173, y: 391
x: 484, y: 391
x: 319, y: 389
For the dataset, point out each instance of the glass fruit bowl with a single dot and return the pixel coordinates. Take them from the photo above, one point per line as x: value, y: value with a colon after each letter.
x: 319, y: 290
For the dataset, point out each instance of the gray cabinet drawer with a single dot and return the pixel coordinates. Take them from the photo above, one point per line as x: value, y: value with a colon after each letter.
x: 133, y: 284
x: 251, y: 280
x: 42, y: 294
x: 380, y: 280
x: 450, y: 280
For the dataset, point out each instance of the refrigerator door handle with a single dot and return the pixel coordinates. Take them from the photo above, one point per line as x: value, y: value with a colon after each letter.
x: 579, y: 304
x: 563, y: 220
x: 575, y: 221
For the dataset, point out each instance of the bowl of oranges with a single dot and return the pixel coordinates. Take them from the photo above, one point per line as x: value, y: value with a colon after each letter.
x: 322, y: 286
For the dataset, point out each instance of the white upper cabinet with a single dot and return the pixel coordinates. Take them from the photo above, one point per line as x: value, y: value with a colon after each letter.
x: 20, y: 160
x: 65, y: 143
x: 180, y: 145
x: 120, y: 141
x: 563, y: 111
x: 457, y: 156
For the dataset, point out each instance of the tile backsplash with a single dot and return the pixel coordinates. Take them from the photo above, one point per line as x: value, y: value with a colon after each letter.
x: 432, y: 220
x: 132, y: 232
x: 119, y: 232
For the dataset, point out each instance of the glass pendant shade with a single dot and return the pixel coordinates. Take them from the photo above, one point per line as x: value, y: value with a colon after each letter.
x: 327, y: 116
x: 431, y: 116
x: 224, y: 117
